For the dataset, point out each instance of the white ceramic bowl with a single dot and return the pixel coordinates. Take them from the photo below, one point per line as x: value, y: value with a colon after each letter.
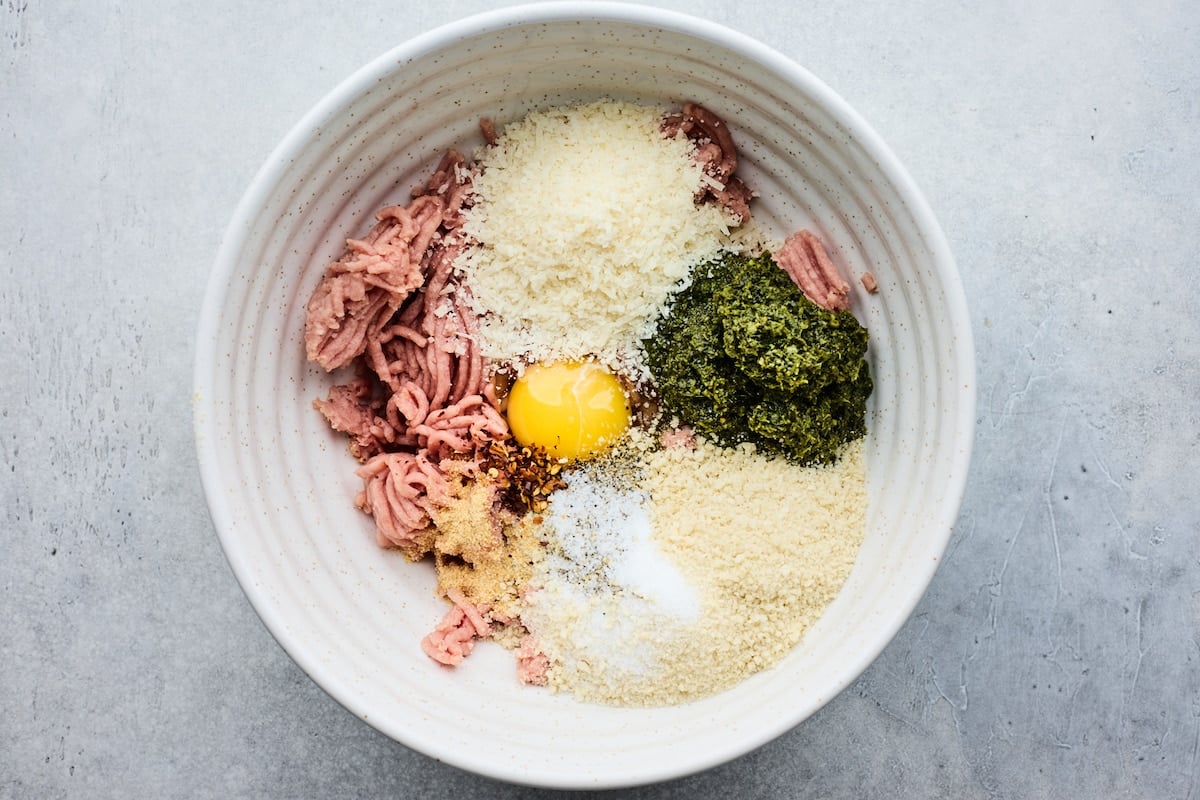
x: 280, y: 484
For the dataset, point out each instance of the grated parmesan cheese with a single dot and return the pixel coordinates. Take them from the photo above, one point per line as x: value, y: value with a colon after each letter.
x: 586, y: 221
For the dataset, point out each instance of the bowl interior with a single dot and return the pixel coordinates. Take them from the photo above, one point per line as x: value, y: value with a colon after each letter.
x: 280, y: 483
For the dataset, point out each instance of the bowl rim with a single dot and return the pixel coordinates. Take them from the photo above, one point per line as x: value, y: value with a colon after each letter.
x: 277, y: 162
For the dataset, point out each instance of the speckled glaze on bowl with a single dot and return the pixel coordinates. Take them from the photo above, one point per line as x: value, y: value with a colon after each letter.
x: 280, y: 484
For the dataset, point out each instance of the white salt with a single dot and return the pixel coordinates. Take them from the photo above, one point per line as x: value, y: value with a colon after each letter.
x: 607, y: 595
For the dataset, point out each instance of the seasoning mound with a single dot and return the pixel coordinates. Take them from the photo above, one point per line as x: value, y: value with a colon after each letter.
x: 607, y: 602
x: 763, y: 544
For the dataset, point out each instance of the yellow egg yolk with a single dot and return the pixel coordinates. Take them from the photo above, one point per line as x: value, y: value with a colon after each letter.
x: 572, y: 409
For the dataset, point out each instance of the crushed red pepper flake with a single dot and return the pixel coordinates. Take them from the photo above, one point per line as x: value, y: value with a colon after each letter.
x: 525, y: 475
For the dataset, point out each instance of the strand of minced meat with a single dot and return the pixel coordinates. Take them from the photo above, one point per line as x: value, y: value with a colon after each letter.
x: 717, y: 153
x: 532, y: 663
x: 422, y: 394
x: 454, y: 637
x: 361, y: 290
x: 803, y: 257
x: 398, y: 491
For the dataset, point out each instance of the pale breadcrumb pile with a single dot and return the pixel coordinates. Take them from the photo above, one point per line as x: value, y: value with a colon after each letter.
x: 765, y: 543
x: 586, y: 220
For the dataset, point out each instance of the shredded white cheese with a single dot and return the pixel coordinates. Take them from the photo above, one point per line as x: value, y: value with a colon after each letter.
x: 586, y: 221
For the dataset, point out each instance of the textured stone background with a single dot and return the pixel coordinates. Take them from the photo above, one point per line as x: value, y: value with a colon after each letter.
x: 1055, y: 654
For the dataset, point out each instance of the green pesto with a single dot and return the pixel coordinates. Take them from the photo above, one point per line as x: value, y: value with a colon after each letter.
x: 743, y: 356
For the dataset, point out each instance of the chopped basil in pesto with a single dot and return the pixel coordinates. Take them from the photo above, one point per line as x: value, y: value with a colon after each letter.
x: 741, y: 355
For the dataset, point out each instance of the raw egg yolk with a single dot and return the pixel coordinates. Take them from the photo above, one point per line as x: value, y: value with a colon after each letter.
x: 571, y: 409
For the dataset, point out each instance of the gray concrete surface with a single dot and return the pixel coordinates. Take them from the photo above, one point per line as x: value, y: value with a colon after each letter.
x: 1056, y: 654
